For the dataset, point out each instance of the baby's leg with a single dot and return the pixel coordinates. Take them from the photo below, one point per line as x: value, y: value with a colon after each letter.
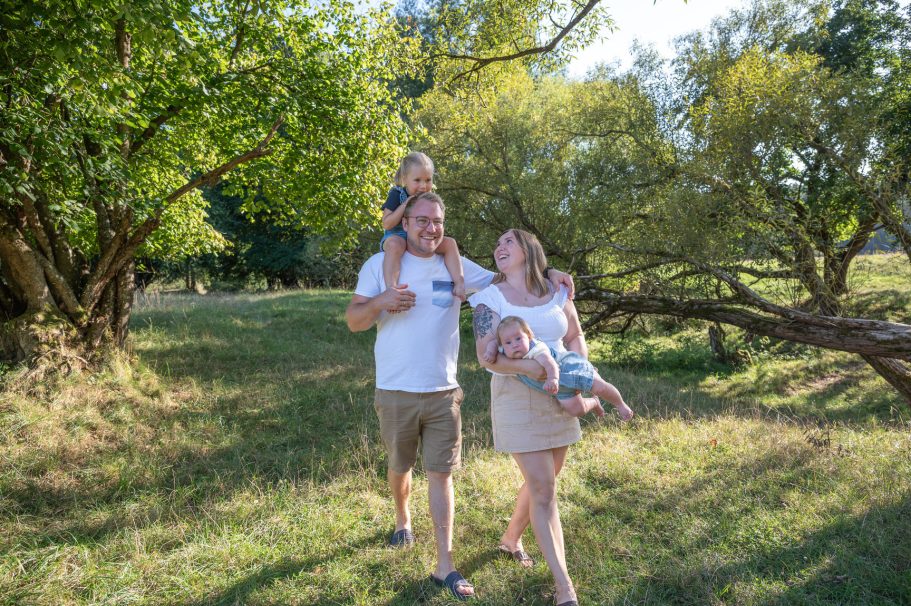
x: 394, y: 247
x: 606, y: 391
x: 450, y: 251
x: 579, y: 406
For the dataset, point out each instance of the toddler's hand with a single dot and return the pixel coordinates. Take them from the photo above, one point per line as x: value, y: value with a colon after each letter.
x: 551, y: 386
x: 458, y: 290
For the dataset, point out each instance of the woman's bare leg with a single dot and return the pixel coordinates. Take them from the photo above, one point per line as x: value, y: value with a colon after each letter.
x: 540, y: 473
x: 519, y: 521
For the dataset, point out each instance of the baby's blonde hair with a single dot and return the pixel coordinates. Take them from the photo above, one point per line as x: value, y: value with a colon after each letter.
x: 410, y: 161
x: 514, y: 321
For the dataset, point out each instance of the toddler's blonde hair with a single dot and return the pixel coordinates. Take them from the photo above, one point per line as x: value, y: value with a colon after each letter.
x: 410, y: 161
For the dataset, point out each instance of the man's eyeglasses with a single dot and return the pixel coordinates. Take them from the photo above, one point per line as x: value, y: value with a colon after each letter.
x: 423, y: 222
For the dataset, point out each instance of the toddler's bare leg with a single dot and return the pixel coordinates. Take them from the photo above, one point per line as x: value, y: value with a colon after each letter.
x: 606, y: 391
x: 579, y: 406
x: 394, y: 247
x: 450, y: 251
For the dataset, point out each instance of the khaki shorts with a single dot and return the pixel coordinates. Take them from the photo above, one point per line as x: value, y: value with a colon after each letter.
x: 434, y: 419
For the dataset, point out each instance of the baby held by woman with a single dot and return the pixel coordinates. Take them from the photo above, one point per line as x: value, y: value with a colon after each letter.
x: 568, y: 373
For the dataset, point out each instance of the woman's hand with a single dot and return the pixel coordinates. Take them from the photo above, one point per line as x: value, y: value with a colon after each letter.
x: 490, y: 355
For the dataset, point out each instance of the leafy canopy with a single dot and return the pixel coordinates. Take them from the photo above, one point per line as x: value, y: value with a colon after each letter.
x: 89, y: 120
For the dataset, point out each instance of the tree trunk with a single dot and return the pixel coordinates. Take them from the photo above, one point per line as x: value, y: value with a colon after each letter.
x: 189, y: 276
x: 43, y: 337
x: 895, y: 372
x: 123, y: 303
x: 886, y: 346
x: 716, y: 343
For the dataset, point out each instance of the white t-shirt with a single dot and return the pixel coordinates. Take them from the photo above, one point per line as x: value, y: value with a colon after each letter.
x: 547, y: 321
x: 417, y: 350
x: 537, y: 348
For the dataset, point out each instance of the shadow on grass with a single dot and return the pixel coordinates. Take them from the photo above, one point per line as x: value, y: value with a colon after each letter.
x: 724, y: 532
x: 860, y: 559
x: 839, y: 395
x: 884, y: 304
x: 287, y: 396
x: 239, y: 592
x: 292, y: 400
x: 415, y: 591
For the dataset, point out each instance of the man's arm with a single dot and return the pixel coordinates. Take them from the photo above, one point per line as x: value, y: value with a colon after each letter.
x: 485, y: 330
x: 363, y: 311
x: 559, y: 278
x: 477, y: 277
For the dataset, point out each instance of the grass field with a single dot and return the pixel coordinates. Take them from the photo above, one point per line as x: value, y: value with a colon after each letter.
x: 237, y: 462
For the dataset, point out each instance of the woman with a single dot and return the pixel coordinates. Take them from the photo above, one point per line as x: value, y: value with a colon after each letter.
x: 530, y: 425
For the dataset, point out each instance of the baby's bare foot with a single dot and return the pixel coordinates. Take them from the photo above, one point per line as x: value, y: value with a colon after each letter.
x: 626, y: 413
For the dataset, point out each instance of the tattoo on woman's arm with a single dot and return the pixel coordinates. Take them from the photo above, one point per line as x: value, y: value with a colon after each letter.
x: 483, y: 319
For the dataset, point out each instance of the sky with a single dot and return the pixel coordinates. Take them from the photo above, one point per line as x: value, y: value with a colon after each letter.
x: 656, y: 23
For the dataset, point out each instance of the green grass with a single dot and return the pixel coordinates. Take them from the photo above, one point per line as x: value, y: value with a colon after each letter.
x: 237, y: 461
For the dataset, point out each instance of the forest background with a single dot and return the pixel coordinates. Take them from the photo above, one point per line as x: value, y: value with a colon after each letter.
x: 736, y: 218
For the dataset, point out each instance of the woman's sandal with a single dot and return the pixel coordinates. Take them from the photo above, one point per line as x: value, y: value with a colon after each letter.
x: 454, y: 580
x: 402, y: 538
x: 519, y: 555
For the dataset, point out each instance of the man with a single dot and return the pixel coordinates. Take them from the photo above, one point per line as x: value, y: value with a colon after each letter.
x: 417, y: 398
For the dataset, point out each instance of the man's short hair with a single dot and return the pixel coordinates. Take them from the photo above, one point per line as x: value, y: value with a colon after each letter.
x: 427, y: 196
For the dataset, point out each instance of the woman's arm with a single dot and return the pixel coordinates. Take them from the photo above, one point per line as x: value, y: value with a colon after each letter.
x: 485, y: 331
x: 574, y: 340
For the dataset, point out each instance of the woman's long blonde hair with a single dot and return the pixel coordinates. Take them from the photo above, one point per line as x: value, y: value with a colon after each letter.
x: 535, y: 263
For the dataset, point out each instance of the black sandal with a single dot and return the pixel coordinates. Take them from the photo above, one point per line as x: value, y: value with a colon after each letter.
x: 401, y: 538
x: 454, y: 580
x: 519, y: 555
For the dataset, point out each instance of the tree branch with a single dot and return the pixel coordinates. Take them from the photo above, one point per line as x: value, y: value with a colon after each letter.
x: 154, y: 125
x: 116, y: 256
x: 481, y: 62
x: 855, y: 335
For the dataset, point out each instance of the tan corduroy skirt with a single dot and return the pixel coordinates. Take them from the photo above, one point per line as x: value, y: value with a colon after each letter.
x: 526, y: 420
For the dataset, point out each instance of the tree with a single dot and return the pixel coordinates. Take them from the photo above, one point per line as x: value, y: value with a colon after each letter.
x: 738, y: 192
x: 788, y: 164
x: 284, y: 256
x: 113, y: 115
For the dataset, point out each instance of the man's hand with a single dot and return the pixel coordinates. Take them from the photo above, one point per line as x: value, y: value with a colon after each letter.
x: 559, y: 278
x: 395, y: 299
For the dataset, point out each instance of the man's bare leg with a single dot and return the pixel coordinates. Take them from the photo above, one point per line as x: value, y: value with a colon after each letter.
x: 442, y: 511
x: 400, y: 483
